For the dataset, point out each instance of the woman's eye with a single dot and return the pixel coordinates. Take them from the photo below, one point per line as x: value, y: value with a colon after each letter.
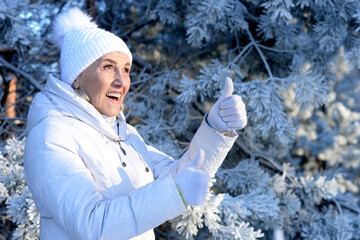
x: 126, y: 70
x: 107, y: 67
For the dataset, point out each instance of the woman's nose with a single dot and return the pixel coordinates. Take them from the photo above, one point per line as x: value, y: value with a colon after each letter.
x: 119, y: 80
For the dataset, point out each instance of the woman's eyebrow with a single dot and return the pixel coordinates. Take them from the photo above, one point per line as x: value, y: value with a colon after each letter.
x: 113, y: 61
x: 109, y: 60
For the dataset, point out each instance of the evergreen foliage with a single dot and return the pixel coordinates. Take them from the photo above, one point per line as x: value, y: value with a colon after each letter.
x: 294, y: 170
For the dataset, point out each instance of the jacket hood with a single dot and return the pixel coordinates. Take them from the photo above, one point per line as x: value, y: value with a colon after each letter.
x: 60, y: 99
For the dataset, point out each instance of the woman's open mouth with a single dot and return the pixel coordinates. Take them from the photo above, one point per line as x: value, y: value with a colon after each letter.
x: 114, y: 97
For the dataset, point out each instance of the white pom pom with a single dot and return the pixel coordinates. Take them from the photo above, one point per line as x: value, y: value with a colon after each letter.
x: 70, y: 20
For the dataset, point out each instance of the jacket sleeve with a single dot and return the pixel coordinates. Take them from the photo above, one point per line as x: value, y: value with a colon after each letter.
x: 64, y: 189
x: 215, y: 145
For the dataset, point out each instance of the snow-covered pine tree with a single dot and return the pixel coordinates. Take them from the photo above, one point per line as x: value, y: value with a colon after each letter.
x: 294, y: 172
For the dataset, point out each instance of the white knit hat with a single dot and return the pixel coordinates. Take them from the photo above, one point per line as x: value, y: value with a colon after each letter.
x: 82, y: 43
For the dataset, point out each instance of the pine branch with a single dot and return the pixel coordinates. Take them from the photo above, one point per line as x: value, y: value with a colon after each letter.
x: 260, y: 52
x: 264, y: 160
x: 277, y: 50
x: 32, y: 80
x: 143, y: 64
x: 345, y: 205
x: 243, y: 51
x: 125, y: 36
x: 52, y: 19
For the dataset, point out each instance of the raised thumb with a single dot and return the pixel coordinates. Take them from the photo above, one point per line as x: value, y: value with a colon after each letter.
x: 197, y: 163
x: 228, y: 88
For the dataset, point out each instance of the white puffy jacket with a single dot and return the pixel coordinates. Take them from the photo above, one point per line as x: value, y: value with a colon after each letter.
x: 74, y: 169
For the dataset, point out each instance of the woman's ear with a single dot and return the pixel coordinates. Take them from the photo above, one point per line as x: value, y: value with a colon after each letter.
x: 75, y: 84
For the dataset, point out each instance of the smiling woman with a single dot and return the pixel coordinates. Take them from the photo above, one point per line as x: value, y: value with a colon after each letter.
x: 91, y: 174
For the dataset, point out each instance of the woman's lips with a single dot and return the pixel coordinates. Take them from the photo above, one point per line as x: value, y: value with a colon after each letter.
x: 113, y: 97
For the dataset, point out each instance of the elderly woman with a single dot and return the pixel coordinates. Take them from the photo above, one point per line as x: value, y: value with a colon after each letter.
x: 90, y: 173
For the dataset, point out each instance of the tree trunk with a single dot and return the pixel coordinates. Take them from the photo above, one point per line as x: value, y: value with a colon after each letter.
x: 91, y: 6
x: 11, y: 99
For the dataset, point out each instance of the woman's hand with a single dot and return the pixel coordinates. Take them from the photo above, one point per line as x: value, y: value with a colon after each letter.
x: 228, y: 113
x: 193, y: 182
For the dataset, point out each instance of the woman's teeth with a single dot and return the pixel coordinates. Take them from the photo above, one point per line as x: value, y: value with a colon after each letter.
x: 113, y: 95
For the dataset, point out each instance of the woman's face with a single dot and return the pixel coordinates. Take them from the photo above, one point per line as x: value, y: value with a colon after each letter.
x: 106, y: 81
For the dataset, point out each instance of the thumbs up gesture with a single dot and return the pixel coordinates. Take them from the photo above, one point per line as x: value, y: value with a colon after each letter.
x: 228, y: 113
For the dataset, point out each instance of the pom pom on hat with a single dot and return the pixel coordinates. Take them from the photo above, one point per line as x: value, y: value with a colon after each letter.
x: 82, y: 43
x: 73, y: 19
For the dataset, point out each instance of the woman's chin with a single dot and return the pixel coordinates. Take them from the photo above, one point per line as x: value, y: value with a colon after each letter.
x: 110, y: 113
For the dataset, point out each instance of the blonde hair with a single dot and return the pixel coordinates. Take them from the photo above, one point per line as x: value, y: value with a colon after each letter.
x: 82, y: 94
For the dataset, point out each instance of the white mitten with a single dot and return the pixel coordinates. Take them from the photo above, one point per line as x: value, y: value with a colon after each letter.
x: 228, y: 113
x: 193, y: 182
